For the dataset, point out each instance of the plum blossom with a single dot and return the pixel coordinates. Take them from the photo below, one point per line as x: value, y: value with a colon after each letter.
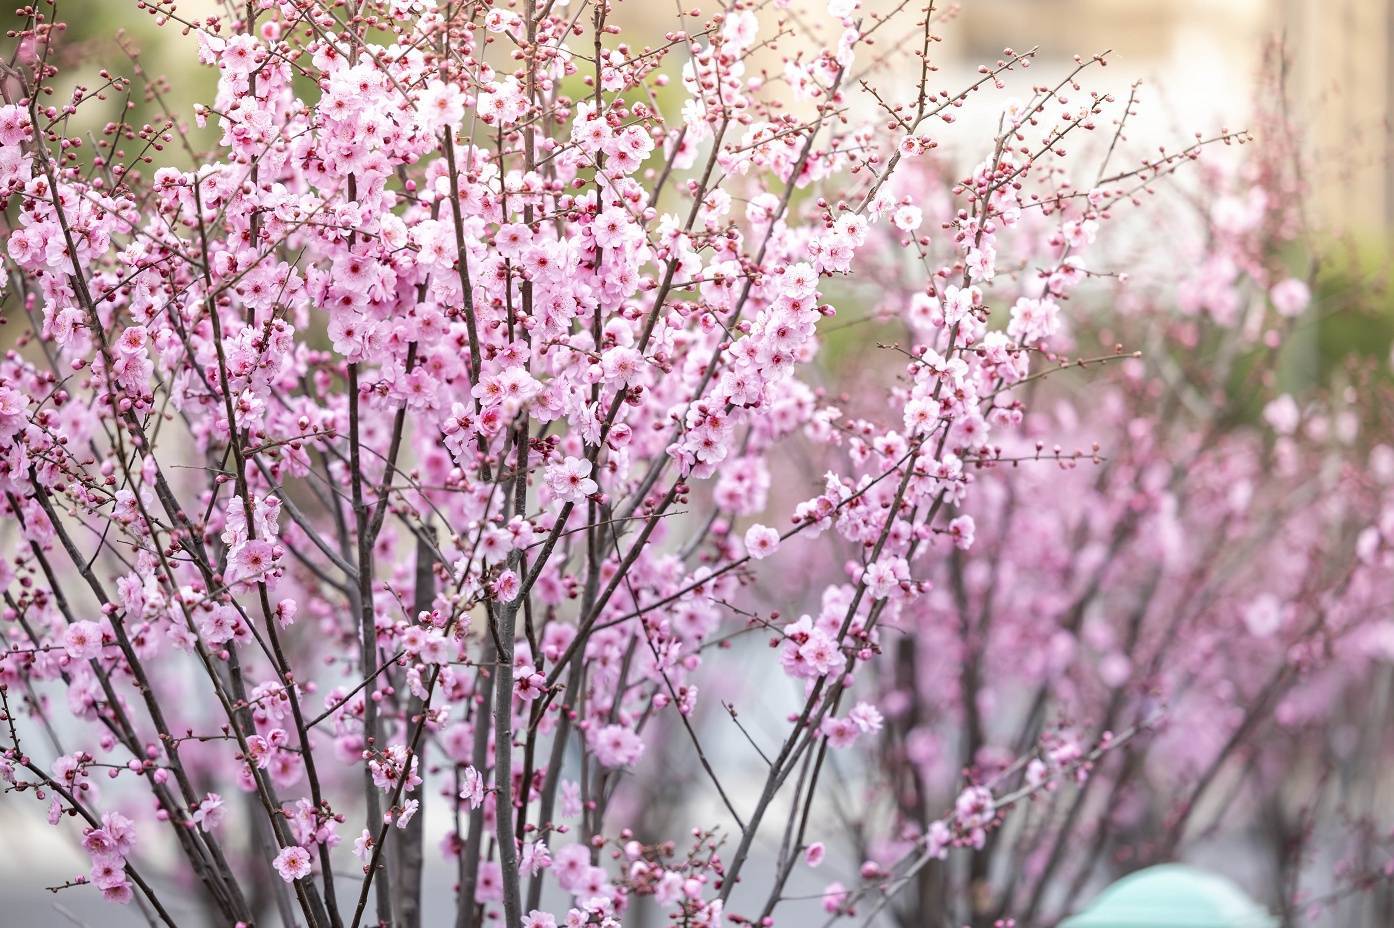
x: 472, y: 790
x: 83, y: 640
x: 570, y: 480
x: 293, y: 863
x: 761, y: 541
x: 616, y: 746
x: 1290, y: 296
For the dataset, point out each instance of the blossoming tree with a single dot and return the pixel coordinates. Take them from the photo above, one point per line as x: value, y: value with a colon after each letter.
x: 416, y: 462
x: 1221, y: 580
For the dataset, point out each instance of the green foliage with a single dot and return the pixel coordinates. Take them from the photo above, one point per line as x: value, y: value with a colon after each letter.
x: 1356, y: 307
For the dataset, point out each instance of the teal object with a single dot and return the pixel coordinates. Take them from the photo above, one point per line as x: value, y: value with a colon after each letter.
x: 1172, y: 896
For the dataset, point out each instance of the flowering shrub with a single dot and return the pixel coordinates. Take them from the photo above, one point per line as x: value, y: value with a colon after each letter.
x: 422, y: 457
x: 1212, y: 600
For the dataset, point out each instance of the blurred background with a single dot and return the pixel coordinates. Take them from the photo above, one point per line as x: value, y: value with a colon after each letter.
x: 1199, y: 61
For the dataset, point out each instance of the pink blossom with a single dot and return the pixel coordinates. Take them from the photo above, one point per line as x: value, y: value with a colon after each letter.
x: 616, y: 746
x: 1283, y: 414
x: 108, y: 872
x: 834, y: 897
x: 209, y: 813
x: 535, y: 858
x: 961, y: 530
x: 363, y: 846
x: 252, y: 559
x: 83, y: 640
x: 570, y: 480
x: 506, y: 586
x: 473, y: 789
x: 293, y: 863
x: 489, y: 887
x: 98, y: 843
x: 761, y: 541
x: 1263, y: 616
x: 907, y: 218
x: 866, y: 717
x: 841, y: 733
x: 1290, y: 296
x: 14, y: 125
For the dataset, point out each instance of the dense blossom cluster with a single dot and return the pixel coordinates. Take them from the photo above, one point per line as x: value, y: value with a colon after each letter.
x: 414, y: 466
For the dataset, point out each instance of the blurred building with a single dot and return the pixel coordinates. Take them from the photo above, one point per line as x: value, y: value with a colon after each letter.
x: 1344, y: 64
